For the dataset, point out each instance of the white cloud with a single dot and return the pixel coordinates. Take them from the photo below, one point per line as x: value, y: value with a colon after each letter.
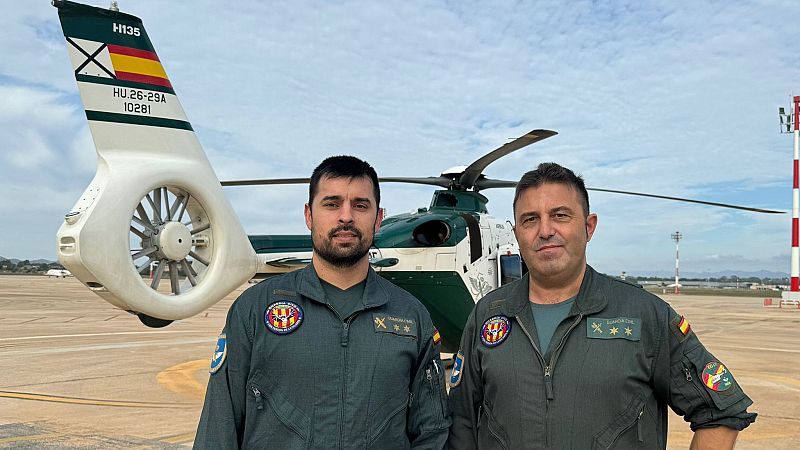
x: 670, y: 98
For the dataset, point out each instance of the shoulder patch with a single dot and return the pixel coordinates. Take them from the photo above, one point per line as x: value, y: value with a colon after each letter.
x: 680, y: 327
x: 401, y: 326
x: 458, y: 369
x: 495, y: 330
x: 220, y: 351
x: 437, y: 338
x: 614, y: 328
x: 283, y: 317
x: 716, y: 377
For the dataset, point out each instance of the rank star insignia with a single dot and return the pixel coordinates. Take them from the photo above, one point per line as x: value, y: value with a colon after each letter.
x: 399, y: 326
x: 627, y: 328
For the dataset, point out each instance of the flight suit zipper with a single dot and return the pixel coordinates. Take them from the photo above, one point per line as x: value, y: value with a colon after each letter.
x: 344, y: 339
x: 257, y: 395
x: 548, y: 368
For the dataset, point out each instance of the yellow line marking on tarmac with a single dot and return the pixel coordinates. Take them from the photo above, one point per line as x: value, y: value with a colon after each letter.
x: 90, y: 401
x: 33, y: 437
x: 180, y: 378
x: 117, y: 333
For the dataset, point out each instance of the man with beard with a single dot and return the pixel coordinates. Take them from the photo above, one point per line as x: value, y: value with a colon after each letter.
x: 331, y: 356
x: 569, y: 358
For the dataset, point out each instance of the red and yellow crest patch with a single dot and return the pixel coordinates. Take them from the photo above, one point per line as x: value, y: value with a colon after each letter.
x: 283, y: 317
x: 495, y: 330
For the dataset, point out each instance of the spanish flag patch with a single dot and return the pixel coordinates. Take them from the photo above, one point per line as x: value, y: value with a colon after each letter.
x: 683, y: 326
x: 436, y: 337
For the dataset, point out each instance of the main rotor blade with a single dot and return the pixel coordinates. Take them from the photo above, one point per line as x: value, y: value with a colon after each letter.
x: 433, y: 181
x: 266, y: 181
x: 689, y: 200
x: 488, y: 183
x: 474, y: 170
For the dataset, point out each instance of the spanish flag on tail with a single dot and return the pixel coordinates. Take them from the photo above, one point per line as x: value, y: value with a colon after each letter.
x: 119, y: 75
x: 139, y: 66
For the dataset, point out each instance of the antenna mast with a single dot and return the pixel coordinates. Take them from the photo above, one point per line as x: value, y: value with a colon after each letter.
x: 790, y: 124
x: 676, y: 236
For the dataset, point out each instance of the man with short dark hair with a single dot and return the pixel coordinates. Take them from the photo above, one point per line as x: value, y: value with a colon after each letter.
x: 331, y: 356
x: 569, y: 358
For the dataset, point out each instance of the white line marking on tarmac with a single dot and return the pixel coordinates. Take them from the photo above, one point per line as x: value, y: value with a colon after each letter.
x: 767, y: 349
x: 117, y: 333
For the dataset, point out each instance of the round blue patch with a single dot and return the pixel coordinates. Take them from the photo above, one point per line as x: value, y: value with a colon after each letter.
x: 458, y: 367
x: 283, y: 317
x: 495, y: 330
x: 220, y: 351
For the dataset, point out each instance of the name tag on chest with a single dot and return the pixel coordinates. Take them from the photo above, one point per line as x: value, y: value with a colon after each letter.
x: 401, y: 326
x: 614, y: 328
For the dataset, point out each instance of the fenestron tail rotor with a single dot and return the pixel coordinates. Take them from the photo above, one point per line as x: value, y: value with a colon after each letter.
x: 167, y: 242
x: 155, y: 201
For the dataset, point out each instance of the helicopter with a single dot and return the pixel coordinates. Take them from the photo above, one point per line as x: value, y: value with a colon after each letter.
x: 155, y: 202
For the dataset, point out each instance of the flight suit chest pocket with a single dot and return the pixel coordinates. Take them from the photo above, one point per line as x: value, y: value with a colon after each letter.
x: 271, y: 418
x: 708, y: 381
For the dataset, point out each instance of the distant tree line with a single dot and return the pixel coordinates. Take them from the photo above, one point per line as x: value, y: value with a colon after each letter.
x: 725, y: 279
x: 25, y: 266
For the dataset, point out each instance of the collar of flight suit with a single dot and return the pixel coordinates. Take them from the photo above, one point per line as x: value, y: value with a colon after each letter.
x: 591, y: 297
x: 310, y: 287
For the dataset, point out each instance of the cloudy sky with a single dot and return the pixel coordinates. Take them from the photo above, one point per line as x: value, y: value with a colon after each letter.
x: 675, y: 97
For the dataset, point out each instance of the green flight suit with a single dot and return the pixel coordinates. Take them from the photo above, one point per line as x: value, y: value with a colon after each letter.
x: 613, y: 366
x: 315, y: 380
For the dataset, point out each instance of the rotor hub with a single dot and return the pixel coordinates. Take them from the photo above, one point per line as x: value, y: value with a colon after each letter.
x: 174, y: 240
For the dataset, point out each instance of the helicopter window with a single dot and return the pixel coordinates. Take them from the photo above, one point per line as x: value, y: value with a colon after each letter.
x: 446, y: 201
x: 510, y: 268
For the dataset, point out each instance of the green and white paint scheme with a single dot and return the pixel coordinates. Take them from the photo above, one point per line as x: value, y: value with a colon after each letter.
x: 155, y: 204
x: 448, y: 255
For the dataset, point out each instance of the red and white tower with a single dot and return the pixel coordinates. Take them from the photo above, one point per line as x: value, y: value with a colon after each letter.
x: 790, y: 122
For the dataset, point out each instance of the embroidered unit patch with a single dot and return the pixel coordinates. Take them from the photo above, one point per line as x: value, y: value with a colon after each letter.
x: 458, y: 367
x: 716, y: 377
x: 220, y: 351
x: 495, y: 330
x: 283, y: 317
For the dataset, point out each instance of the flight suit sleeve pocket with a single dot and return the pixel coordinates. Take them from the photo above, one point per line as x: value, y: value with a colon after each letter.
x: 707, y: 386
x: 272, y: 418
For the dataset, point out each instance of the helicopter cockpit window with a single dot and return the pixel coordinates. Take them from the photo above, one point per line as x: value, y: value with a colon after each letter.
x: 432, y: 233
x: 510, y: 268
x: 446, y: 201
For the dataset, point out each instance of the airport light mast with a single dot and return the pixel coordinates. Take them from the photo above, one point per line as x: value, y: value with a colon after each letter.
x: 676, y: 236
x: 789, y: 124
